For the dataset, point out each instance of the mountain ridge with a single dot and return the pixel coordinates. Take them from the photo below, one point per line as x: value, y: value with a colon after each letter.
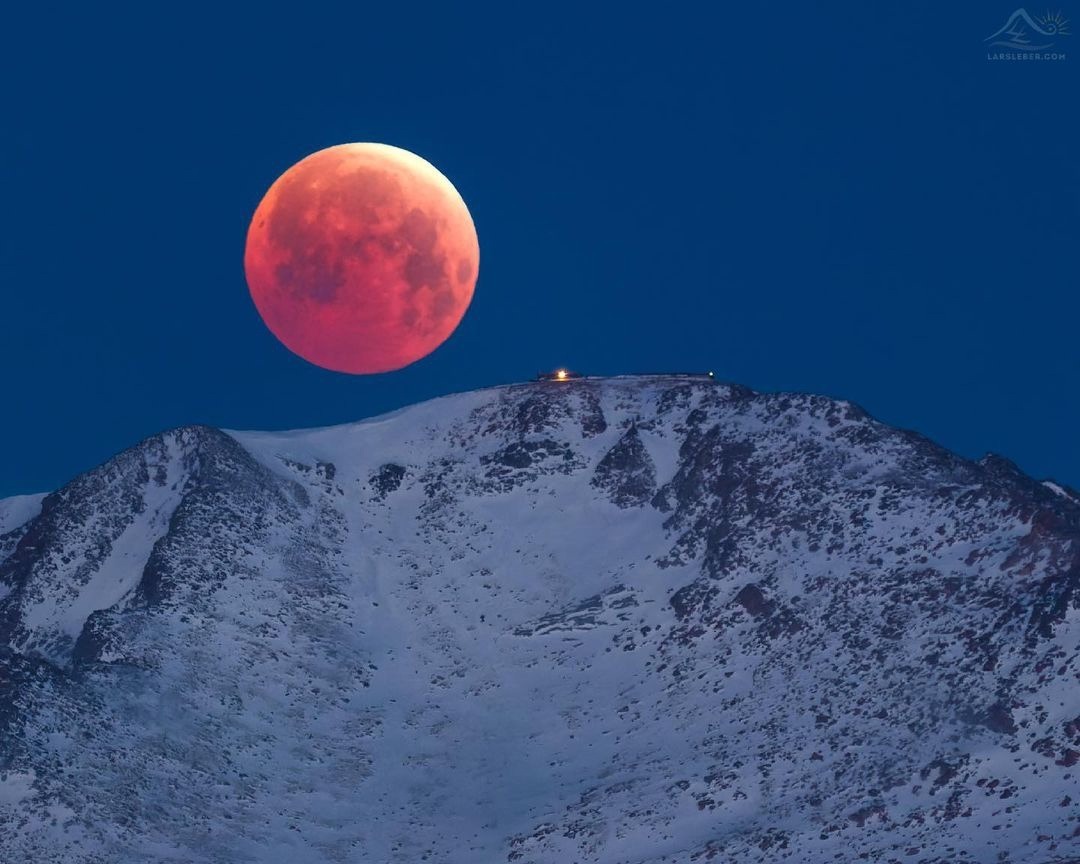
x: 611, y: 620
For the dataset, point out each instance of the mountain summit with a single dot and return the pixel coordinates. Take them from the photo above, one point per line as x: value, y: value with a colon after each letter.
x: 622, y: 621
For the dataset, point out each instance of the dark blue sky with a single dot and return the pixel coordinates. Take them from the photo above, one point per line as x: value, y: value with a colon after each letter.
x: 854, y: 202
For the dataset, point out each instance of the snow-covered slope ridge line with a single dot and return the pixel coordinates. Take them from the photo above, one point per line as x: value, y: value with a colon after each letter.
x: 617, y: 620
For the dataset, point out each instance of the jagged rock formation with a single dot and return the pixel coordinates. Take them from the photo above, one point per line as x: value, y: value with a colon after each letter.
x: 623, y: 620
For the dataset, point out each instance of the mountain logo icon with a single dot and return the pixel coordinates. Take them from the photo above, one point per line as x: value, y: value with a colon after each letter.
x: 1027, y: 33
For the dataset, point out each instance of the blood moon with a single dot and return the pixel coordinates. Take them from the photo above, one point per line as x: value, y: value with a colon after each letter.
x: 362, y: 258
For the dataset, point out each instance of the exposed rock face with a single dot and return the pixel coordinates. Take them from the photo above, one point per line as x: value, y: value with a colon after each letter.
x: 387, y: 479
x: 627, y: 472
x: 631, y: 620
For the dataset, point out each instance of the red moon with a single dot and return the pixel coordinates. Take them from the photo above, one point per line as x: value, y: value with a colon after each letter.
x: 362, y: 258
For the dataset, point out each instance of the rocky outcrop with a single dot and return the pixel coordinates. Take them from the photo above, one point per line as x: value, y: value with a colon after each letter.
x: 627, y: 472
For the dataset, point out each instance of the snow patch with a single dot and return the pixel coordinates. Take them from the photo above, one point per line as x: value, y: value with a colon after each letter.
x: 18, y: 510
x: 16, y: 787
x: 1053, y: 487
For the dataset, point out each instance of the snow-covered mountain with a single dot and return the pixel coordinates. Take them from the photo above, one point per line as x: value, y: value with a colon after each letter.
x: 625, y: 620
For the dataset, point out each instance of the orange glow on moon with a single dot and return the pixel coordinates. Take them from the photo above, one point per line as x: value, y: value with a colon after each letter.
x: 362, y: 258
